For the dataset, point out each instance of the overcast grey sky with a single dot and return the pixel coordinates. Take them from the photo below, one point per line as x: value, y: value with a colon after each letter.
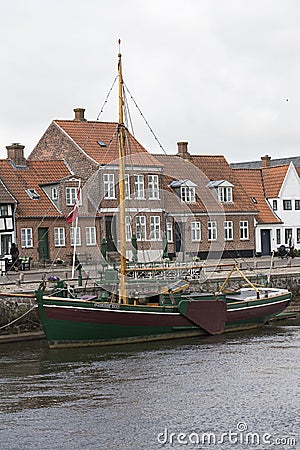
x: 220, y: 74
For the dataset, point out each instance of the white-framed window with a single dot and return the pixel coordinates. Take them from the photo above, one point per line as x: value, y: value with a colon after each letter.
x: 109, y: 185
x: 140, y: 228
x: 71, y: 196
x: 6, y: 224
x: 228, y: 230
x: 169, y: 232
x: 127, y: 186
x: 128, y: 228
x: 153, y: 187
x: 90, y: 235
x: 5, y: 210
x: 244, y: 230
x: 225, y: 194
x: 54, y: 193
x: 278, y: 236
x: 288, y: 234
x: 78, y: 236
x: 287, y: 205
x: 154, y: 228
x: 187, y: 194
x: 59, y: 237
x: 26, y: 238
x: 139, y: 186
x: 212, y: 230
x: 196, y: 231
x: 33, y: 194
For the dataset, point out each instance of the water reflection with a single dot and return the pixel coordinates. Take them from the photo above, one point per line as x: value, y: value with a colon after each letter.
x: 123, y: 396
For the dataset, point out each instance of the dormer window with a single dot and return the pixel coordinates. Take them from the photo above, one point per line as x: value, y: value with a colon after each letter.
x: 223, y: 189
x: 186, y: 189
x: 32, y: 194
x: 54, y: 193
x: 225, y: 194
x: 187, y: 194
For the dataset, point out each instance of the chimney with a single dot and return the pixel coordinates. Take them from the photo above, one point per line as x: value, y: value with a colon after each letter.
x: 79, y: 115
x: 265, y: 161
x: 182, y: 150
x: 15, y: 152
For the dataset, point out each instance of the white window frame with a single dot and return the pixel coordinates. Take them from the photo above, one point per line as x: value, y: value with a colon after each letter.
x: 155, y: 228
x: 71, y: 196
x: 225, y: 194
x: 196, y: 231
x: 153, y: 187
x: 90, y: 236
x: 128, y: 228
x: 139, y: 186
x: 26, y: 238
x: 228, y: 230
x: 169, y: 232
x: 109, y: 186
x: 287, y: 205
x: 244, y: 230
x: 140, y: 228
x: 78, y: 236
x: 127, y: 186
x: 59, y: 237
x: 278, y: 236
x: 212, y: 231
x: 5, y: 210
x: 188, y: 194
x: 54, y: 193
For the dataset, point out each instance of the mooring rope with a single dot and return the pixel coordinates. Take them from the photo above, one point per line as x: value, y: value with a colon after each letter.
x: 15, y: 320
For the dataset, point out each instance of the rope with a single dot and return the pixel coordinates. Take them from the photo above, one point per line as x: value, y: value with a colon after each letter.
x: 23, y: 315
x: 145, y: 120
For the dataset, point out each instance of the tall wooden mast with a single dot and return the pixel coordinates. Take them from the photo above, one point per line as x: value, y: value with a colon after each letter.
x: 122, y: 290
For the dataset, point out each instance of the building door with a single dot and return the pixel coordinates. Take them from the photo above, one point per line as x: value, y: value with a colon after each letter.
x: 178, y: 237
x: 110, y: 232
x: 6, y: 240
x: 265, y: 242
x: 43, y: 246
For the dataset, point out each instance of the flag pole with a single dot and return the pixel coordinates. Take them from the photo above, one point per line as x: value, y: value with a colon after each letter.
x: 75, y: 231
x: 74, y: 249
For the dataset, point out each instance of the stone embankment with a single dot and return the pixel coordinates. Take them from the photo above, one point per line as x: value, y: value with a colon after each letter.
x: 18, y: 315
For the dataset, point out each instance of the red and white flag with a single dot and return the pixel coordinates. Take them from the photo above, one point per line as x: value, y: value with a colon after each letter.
x: 74, y: 212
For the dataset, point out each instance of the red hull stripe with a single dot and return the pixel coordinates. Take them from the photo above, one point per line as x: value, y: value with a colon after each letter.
x: 115, y: 317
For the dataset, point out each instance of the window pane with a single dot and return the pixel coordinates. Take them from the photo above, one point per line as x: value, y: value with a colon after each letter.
x: 154, y: 228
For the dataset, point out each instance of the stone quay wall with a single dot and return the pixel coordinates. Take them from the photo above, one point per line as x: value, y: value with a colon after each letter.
x: 18, y: 315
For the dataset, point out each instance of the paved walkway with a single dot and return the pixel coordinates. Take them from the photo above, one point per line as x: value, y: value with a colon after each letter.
x: 28, y: 281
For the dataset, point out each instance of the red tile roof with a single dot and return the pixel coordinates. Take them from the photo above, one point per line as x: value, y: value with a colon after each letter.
x: 251, y: 179
x: 17, y: 180
x: 5, y: 195
x: 273, y: 179
x: 87, y: 134
x: 205, y: 168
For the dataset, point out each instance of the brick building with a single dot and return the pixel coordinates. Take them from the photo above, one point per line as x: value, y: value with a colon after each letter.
x: 91, y: 150
x: 209, y: 212
x: 38, y: 192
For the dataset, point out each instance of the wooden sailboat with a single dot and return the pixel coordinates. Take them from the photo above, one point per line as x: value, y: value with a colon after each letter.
x: 165, y: 314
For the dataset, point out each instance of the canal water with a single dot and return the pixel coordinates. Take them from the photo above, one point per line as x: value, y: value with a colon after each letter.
x: 239, y: 391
